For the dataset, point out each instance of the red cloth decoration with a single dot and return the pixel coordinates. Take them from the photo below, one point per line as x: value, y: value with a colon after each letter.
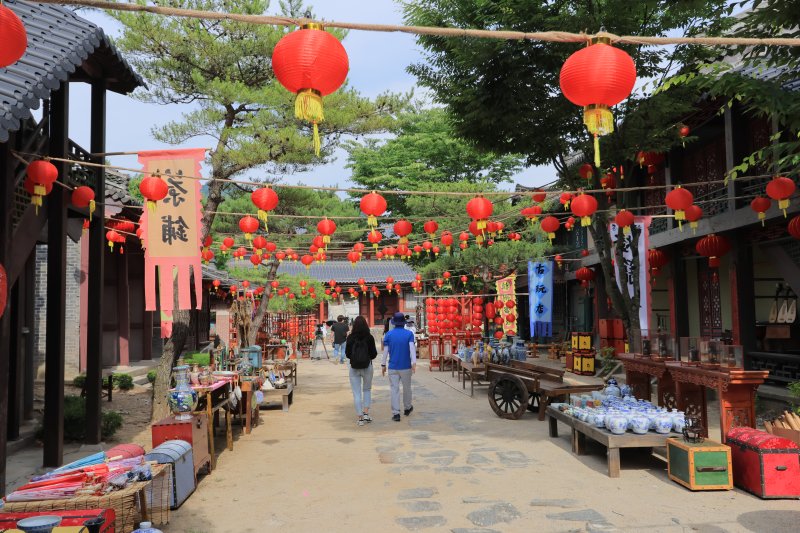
x: 13, y: 37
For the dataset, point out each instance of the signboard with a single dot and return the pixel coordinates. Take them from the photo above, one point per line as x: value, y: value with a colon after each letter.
x: 506, y: 291
x: 172, y: 231
x: 540, y: 297
x: 643, y: 224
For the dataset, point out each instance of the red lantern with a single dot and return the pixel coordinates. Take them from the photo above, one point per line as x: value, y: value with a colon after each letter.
x: 248, y: 225
x: 307, y: 260
x: 447, y: 240
x: 511, y: 304
x: 539, y: 196
x: 684, y: 131
x: 326, y: 228
x: 310, y: 63
x: 511, y: 317
x: 598, y: 77
x: 693, y: 215
x: 657, y: 260
x: 490, y: 311
x: 228, y: 242
x: 353, y: 257
x: 625, y: 220
x: 259, y: 243
x: 430, y: 228
x: 112, y: 237
x: 373, y: 205
x: 358, y: 247
x: 280, y: 256
x: 584, y: 253
x: 402, y: 228
x: 479, y: 209
x: 550, y: 226
x: 565, y: 199
x: 374, y: 237
x: 498, y: 334
x: 585, y: 275
x: 794, y: 227
x: 265, y: 199
x: 713, y: 246
x: 13, y: 37
x: 154, y: 189
x: 559, y: 260
x: 586, y: 171
x: 781, y: 189
x: 207, y: 255
x: 41, y: 173
x: 82, y: 197
x: 761, y: 205
x: 679, y: 200
x: 584, y: 206
x: 531, y: 213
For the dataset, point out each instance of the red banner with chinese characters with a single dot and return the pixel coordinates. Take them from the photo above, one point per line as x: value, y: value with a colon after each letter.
x: 172, y: 232
x: 506, y: 292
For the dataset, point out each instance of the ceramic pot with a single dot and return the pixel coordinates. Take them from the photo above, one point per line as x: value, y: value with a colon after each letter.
x: 194, y: 375
x: 182, y: 399
x: 678, y: 421
x: 625, y: 390
x: 663, y: 423
x: 600, y: 419
x: 611, y: 388
x: 640, y: 424
x: 38, y: 524
x: 617, y: 423
x: 206, y: 378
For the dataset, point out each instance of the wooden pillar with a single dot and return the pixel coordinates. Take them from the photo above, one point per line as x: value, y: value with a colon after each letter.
x: 322, y: 310
x: 30, y: 348
x: 123, y: 311
x: 401, y: 303
x: 147, y: 335
x: 743, y: 319
x: 16, y: 362
x: 678, y: 298
x: 6, y: 209
x: 84, y: 299
x: 97, y: 246
x: 371, y: 309
x: 56, y: 208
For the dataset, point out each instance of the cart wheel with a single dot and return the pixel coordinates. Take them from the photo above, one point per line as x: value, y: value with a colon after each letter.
x: 534, y: 402
x: 508, y: 397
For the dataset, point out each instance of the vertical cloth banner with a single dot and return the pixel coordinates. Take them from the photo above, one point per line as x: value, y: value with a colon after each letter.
x: 506, y: 292
x: 540, y: 297
x: 645, y: 305
x: 172, y: 231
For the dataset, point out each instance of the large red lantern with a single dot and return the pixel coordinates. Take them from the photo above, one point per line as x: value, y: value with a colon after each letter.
x: 539, y: 196
x: 373, y: 205
x: 585, y: 275
x: 781, y: 189
x: 255, y: 259
x: 761, y: 205
x: 713, y: 246
x: 42, y: 174
x: 307, y: 260
x: 83, y: 197
x: 586, y: 172
x: 228, y: 242
x: 402, y: 228
x: 259, y: 243
x: 584, y: 206
x: 265, y: 199
x: 693, y: 215
x: 625, y: 220
x: 657, y: 260
x: 353, y: 257
x: 154, y: 189
x: 550, y: 226
x: 679, y: 200
x: 565, y: 199
x: 479, y: 209
x: 310, y: 63
x: 326, y: 227
x: 794, y: 227
x: 430, y: 228
x: 532, y: 213
x: 598, y: 77
x: 374, y: 237
x: 13, y: 37
x: 248, y: 225
x: 447, y: 240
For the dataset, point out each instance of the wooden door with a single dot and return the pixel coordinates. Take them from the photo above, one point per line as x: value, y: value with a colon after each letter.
x: 710, y: 301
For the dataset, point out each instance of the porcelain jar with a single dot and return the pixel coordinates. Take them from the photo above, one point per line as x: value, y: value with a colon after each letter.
x: 640, y: 424
x: 611, y: 388
x: 617, y: 423
x: 663, y: 423
x: 182, y: 399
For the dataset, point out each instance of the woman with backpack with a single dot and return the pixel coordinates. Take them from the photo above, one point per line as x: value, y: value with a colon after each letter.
x: 360, y: 350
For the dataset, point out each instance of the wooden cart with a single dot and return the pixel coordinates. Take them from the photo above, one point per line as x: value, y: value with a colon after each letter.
x: 527, y: 386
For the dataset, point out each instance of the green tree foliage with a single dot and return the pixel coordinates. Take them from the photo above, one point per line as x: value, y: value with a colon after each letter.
x: 299, y: 304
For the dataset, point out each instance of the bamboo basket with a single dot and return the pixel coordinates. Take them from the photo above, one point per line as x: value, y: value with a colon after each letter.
x: 127, y: 503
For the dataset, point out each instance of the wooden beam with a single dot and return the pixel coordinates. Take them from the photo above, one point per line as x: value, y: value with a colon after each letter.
x: 743, y: 319
x: 679, y: 297
x: 30, y: 346
x: 6, y: 209
x: 56, y: 285
x: 15, y: 362
x: 97, y: 245
x: 123, y: 310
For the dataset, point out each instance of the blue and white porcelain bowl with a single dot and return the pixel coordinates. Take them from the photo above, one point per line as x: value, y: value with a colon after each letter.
x: 39, y: 524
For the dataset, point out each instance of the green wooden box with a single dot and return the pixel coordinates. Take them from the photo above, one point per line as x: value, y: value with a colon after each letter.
x: 699, y: 466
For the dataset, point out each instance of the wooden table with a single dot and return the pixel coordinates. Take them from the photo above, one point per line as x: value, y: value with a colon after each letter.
x: 216, y: 397
x: 286, y: 396
x: 454, y: 361
x: 638, y: 372
x: 613, y: 443
x: 467, y: 369
x: 248, y: 415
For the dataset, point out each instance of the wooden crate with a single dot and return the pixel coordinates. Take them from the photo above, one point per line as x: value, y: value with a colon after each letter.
x: 583, y: 363
x: 765, y: 465
x: 699, y: 466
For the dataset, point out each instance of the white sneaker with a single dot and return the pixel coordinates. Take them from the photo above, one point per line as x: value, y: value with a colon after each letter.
x: 361, y: 422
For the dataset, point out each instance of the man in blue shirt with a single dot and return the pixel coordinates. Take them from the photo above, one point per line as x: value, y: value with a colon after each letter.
x: 400, y: 350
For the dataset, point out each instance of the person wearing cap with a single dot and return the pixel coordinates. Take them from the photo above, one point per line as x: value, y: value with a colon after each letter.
x: 410, y: 326
x: 400, y: 352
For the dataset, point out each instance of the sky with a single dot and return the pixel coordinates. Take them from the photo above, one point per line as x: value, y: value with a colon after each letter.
x: 378, y: 64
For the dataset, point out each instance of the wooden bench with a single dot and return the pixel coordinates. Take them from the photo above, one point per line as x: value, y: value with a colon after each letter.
x: 286, y: 396
x: 474, y: 373
x: 550, y: 385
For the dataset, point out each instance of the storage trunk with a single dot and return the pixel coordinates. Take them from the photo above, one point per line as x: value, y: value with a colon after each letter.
x: 764, y: 464
x: 70, y: 518
x: 699, y: 466
x: 194, y: 431
x: 178, y: 453
x: 583, y: 363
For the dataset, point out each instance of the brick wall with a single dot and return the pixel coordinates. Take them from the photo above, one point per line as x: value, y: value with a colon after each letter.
x: 72, y: 331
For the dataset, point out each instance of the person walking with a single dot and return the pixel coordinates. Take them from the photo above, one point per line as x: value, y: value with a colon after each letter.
x: 339, y: 331
x: 401, y: 352
x: 360, y: 350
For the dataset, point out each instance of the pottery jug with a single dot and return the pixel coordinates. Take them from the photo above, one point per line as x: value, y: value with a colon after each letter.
x: 617, y: 423
x: 182, y: 399
x: 663, y: 423
x: 194, y: 375
x: 640, y: 424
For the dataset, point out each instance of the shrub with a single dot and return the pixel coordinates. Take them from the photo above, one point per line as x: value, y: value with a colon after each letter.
x: 75, y: 420
x: 198, y: 358
x: 79, y: 381
x: 123, y: 381
x: 794, y: 391
x: 151, y: 376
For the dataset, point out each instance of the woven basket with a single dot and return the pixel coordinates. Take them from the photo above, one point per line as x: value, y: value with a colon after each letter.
x: 125, y: 502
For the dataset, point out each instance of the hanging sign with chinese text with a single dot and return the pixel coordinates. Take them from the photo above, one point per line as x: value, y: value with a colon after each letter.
x: 506, y: 292
x: 643, y: 225
x: 540, y: 287
x: 172, y: 231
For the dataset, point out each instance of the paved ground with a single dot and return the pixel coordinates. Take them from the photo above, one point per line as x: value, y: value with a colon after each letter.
x: 451, y: 466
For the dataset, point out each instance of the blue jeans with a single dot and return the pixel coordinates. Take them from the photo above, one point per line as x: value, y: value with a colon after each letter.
x: 338, y: 351
x: 361, y: 382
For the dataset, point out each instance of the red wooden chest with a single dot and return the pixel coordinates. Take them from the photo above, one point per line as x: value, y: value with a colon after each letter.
x: 71, y: 518
x: 194, y: 431
x: 766, y: 465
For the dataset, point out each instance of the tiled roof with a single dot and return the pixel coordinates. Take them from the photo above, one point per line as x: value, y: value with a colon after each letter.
x: 117, y: 188
x: 59, y: 43
x: 343, y: 272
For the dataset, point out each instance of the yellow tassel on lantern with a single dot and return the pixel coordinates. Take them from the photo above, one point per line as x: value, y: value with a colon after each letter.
x: 551, y: 236
x: 92, y: 206
x: 783, y: 204
x: 111, y: 245
x: 761, y: 217
x: 586, y: 221
x: 308, y: 107
x: 372, y: 222
x: 694, y: 225
x: 626, y: 230
x: 599, y: 120
x: 263, y: 216
x: 152, y: 206
x: 481, y: 225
